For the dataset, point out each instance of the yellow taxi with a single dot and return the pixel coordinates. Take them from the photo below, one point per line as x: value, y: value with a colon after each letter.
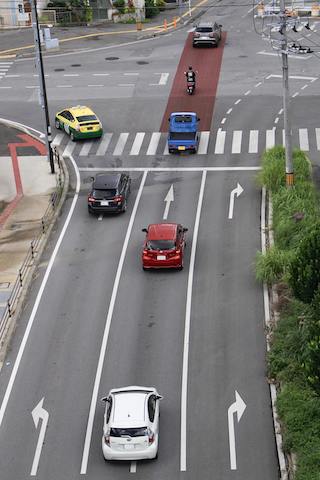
x: 79, y: 122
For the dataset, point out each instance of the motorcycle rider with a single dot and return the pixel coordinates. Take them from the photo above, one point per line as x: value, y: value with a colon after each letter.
x: 191, y: 75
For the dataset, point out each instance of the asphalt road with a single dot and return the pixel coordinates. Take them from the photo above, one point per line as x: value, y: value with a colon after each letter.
x: 144, y: 328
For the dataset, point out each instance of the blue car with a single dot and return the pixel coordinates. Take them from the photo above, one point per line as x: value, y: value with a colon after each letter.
x: 183, y: 132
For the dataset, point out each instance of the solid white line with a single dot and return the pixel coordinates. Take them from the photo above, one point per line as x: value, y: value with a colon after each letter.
x: 169, y: 169
x: 276, y: 120
x: 247, y: 92
x: 318, y: 138
x: 236, y: 141
x: 85, y: 149
x: 95, y: 85
x: 104, y: 144
x: 95, y: 391
x: 270, y: 138
x: 39, y: 296
x: 204, y: 142
x: 238, y: 101
x: 220, y: 141
x: 133, y: 467
x: 64, y: 86
x: 229, y: 111
x: 101, y: 74
x: 135, y: 149
x: 303, y: 139
x: 153, y: 145
x: 123, y: 137
x: 184, y: 383
x: 253, y: 141
x: 223, y: 120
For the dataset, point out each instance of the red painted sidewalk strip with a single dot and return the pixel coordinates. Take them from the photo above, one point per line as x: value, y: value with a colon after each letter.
x: 207, y: 61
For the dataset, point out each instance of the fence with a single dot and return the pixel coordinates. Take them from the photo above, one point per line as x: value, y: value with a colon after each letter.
x: 74, y: 16
x: 33, y: 251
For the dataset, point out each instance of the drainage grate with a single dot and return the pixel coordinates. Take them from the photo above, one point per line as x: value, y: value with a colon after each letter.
x: 59, y: 69
x: 76, y: 65
x: 112, y: 58
x: 142, y: 62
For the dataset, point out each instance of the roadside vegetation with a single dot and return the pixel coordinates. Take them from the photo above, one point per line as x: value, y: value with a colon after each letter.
x: 292, y: 265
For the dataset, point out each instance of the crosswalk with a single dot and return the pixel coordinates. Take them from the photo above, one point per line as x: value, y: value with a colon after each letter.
x: 218, y: 142
x: 4, y: 68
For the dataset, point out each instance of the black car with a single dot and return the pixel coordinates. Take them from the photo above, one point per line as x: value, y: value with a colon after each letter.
x: 207, y: 33
x: 109, y: 193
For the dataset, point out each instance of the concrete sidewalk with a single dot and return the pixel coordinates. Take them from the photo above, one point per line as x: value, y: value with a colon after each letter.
x: 26, y: 196
x: 20, y: 42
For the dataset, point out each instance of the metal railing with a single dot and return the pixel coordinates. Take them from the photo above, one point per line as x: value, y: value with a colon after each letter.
x: 33, y: 251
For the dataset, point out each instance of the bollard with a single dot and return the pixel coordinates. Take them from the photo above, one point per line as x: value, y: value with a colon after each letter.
x: 165, y: 25
x: 174, y: 22
x: 139, y: 26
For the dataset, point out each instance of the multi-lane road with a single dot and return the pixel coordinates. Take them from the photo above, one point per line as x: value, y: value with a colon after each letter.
x: 94, y: 320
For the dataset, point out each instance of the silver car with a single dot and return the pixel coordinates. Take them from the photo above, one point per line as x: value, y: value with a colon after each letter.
x: 207, y: 33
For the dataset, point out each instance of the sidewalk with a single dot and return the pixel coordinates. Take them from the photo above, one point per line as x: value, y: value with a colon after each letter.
x: 78, y: 38
x: 26, y: 213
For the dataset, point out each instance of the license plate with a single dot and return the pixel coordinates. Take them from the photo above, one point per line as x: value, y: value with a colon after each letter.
x: 161, y: 257
x: 129, y: 447
x: 181, y: 148
x: 104, y: 203
x: 89, y: 128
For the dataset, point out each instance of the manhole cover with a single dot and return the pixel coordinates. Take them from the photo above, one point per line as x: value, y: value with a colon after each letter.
x: 142, y: 62
x: 112, y: 58
x: 76, y: 65
x: 59, y: 69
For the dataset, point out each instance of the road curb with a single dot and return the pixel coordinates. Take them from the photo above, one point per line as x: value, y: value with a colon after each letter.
x: 10, y: 329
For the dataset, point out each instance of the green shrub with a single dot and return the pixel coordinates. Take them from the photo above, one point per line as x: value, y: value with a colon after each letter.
x: 271, y: 267
x: 161, y: 4
x: 120, y: 5
x: 151, y: 9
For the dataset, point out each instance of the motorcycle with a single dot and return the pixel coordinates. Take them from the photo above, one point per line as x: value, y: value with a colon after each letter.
x: 190, y: 87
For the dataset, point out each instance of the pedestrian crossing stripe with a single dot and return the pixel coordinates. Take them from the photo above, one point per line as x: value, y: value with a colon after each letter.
x: 220, y: 142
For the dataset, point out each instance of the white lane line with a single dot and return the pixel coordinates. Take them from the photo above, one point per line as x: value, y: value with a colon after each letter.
x: 236, y: 141
x: 64, y: 86
x: 303, y: 139
x: 126, y: 84
x: 292, y: 77
x: 104, y: 144
x: 39, y: 296
x: 95, y: 85
x: 32, y: 86
x: 163, y: 78
x: 223, y: 120
x: 101, y: 74
x: 135, y: 149
x: 280, y: 111
x: 166, y: 149
x: 220, y: 141
x: 133, y: 467
x: 184, y: 383
x: 153, y: 145
x: 204, y: 142
x: 69, y: 148
x: 253, y: 141
x: 302, y: 88
x: 229, y: 111
x: 123, y: 137
x: 270, y: 138
x: 292, y: 57
x: 283, y: 137
x: 5, y: 87
x: 71, y: 74
x: 247, y: 93
x: 85, y: 149
x: 276, y: 120
x: 57, y: 139
x: 295, y: 94
x: 131, y: 73
x: 238, y: 101
x: 318, y: 138
x: 171, y: 169
x: 13, y: 76
x: 36, y: 75
x: 258, y: 84
x: 103, y: 347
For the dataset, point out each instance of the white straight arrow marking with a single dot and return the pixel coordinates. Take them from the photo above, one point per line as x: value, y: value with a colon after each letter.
x: 169, y: 198
x: 237, y: 407
x: 39, y: 413
x: 236, y: 191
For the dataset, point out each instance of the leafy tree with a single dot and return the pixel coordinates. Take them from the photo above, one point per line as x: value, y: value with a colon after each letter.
x: 305, y: 267
x: 151, y: 8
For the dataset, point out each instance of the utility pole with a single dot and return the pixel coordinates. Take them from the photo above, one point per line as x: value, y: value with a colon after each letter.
x: 286, y: 98
x: 43, y: 93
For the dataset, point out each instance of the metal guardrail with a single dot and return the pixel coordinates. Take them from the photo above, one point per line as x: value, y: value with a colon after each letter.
x: 33, y: 251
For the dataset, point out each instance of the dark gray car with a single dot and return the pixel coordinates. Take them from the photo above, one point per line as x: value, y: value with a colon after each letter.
x: 109, y: 193
x: 207, y: 33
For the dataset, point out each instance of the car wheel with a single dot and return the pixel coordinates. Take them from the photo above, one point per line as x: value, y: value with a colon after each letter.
x: 124, y: 206
x: 57, y: 124
x: 72, y: 138
x: 89, y: 210
x: 144, y: 268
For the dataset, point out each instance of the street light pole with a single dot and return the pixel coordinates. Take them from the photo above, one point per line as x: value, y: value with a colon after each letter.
x: 286, y: 98
x: 43, y: 93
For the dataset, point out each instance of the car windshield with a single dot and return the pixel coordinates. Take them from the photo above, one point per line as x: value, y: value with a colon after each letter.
x: 204, y: 29
x: 86, y: 118
x: 161, y: 245
x: 182, y: 135
x: 129, y: 432
x: 100, y: 194
x: 183, y: 119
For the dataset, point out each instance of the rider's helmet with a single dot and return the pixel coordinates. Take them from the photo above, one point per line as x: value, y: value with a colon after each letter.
x: 190, y: 68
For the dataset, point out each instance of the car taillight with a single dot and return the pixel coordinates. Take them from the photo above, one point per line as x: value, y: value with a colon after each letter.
x: 177, y: 252
x: 91, y: 199
x: 211, y: 35
x: 118, y: 198
x: 197, y: 34
x: 150, y: 436
x: 107, y: 439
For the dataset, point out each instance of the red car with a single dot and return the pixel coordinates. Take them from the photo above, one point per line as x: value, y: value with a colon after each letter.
x: 164, y: 246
